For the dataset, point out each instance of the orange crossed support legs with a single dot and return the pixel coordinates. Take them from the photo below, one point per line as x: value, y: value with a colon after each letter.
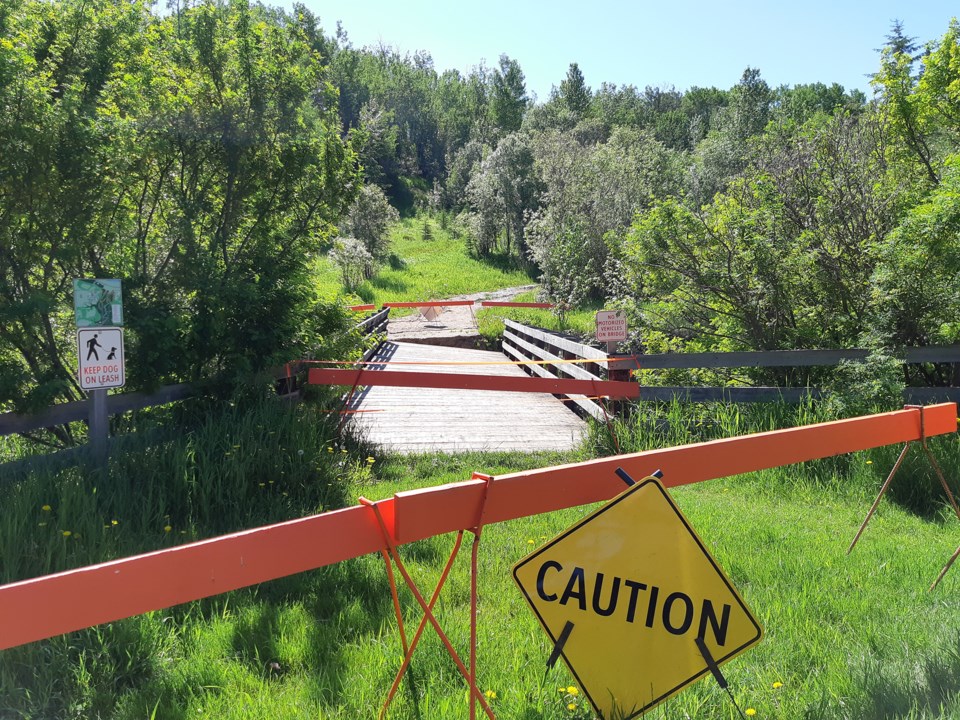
x: 390, y: 553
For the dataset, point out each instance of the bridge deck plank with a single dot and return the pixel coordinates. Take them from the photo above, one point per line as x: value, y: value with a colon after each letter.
x: 412, y: 420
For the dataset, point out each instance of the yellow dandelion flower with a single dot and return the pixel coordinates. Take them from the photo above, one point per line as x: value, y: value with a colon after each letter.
x: 869, y: 462
x: 67, y: 533
x: 491, y: 694
x: 750, y: 712
x: 329, y: 449
x: 529, y: 542
x: 46, y: 508
x: 563, y: 690
x: 777, y: 685
x: 114, y: 522
x: 572, y: 690
x: 370, y: 461
x: 167, y: 528
x: 571, y: 707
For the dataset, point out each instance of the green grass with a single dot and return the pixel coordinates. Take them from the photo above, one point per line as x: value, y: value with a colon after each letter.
x: 854, y: 637
x: 427, y: 269
x: 580, y: 321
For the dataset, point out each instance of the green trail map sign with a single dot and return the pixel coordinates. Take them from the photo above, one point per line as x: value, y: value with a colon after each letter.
x: 97, y: 303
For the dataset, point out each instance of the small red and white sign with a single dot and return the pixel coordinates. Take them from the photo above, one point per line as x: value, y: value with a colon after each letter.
x: 100, y: 352
x: 611, y: 326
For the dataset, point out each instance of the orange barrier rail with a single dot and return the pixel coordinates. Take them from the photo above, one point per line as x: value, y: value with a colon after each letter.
x: 363, y: 307
x: 451, y: 381
x: 429, y: 303
x: 497, y: 303
x: 34, y: 609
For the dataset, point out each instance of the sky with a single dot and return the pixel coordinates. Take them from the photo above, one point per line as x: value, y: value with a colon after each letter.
x: 683, y: 43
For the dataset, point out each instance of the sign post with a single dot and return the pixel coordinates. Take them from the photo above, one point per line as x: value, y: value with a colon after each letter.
x: 635, y: 603
x: 98, y: 309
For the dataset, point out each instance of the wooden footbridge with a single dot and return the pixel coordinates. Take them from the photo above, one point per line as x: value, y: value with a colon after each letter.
x: 411, y: 397
x: 422, y: 419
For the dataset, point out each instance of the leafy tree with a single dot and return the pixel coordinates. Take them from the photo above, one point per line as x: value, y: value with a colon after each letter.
x: 355, y: 262
x: 916, y: 298
x: 508, y: 98
x: 614, y: 106
x: 782, y: 258
x: 896, y: 86
x: 504, y: 192
x: 196, y: 156
x: 368, y: 220
x: 802, y: 102
x: 702, y: 106
x: 574, y: 94
x: 750, y: 102
x: 591, y: 193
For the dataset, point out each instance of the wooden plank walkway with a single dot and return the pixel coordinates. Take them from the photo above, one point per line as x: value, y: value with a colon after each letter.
x: 412, y: 420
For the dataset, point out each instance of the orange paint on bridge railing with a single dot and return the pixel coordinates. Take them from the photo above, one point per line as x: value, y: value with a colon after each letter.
x: 498, y: 303
x: 451, y: 381
x: 42, y: 607
x: 429, y: 303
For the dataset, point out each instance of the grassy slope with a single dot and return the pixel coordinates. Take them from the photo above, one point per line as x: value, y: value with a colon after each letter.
x: 441, y: 267
x: 420, y: 269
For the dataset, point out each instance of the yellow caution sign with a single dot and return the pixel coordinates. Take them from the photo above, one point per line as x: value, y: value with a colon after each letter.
x: 639, y: 588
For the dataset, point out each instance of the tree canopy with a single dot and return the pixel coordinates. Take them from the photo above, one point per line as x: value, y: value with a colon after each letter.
x: 206, y: 154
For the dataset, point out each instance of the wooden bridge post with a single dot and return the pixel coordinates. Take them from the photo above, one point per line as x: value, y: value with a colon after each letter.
x: 618, y: 371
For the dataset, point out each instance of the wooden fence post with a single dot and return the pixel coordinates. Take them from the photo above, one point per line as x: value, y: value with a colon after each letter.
x: 99, y: 426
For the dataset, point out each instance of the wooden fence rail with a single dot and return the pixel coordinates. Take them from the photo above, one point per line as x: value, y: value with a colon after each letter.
x: 119, y: 403
x: 42, y: 607
x: 524, y: 343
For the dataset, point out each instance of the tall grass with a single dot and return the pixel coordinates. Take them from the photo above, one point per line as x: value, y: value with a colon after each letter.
x: 250, y: 462
x: 658, y: 425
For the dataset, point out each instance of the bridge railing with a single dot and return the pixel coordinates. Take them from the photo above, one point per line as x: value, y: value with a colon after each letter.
x: 522, y: 342
x: 526, y: 343
x: 777, y: 358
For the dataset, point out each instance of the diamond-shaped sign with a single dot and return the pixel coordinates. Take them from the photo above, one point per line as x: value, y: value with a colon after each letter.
x: 639, y: 587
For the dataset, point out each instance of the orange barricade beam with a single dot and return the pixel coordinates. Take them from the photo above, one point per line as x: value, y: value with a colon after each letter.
x: 363, y: 307
x: 498, y: 303
x: 43, y: 607
x: 434, y: 511
x: 429, y: 303
x: 450, y: 381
